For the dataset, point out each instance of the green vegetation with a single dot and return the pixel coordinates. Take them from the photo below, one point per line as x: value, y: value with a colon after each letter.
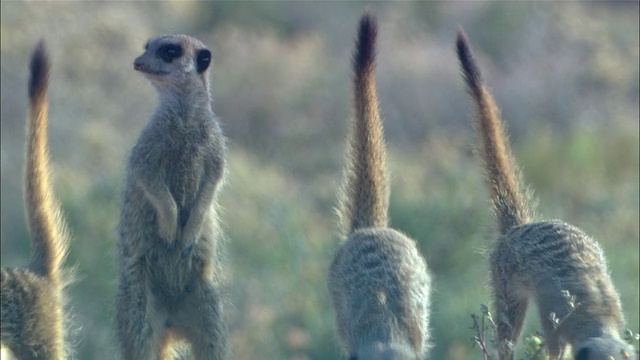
x: 565, y: 75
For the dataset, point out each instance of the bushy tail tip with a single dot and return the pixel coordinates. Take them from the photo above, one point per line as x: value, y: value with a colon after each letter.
x: 39, y: 68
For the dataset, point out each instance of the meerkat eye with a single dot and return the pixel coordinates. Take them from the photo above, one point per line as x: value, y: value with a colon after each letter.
x: 169, y: 52
x: 203, y: 60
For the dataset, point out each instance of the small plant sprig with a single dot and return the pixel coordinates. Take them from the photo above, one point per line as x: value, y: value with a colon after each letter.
x: 481, y: 324
x: 571, y: 304
x: 534, y: 343
x: 633, y: 339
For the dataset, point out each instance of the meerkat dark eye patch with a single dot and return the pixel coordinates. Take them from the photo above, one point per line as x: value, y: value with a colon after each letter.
x: 203, y: 59
x: 169, y: 52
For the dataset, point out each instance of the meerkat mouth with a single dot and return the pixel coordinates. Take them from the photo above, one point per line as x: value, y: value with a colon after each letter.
x: 152, y: 73
x: 145, y: 70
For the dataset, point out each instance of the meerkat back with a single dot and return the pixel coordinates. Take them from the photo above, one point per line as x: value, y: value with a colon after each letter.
x: 552, y: 263
x: 378, y: 281
x: 33, y: 321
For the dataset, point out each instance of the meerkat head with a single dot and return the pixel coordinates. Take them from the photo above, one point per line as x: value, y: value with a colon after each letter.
x: 605, y: 347
x: 173, y: 62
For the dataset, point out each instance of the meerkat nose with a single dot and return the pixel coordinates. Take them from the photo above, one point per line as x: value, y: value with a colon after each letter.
x: 137, y: 64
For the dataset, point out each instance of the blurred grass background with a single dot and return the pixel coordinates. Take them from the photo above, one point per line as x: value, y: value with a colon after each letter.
x: 565, y: 75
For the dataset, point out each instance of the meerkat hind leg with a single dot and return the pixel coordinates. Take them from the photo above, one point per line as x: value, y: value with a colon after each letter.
x: 200, y: 321
x: 510, y: 307
x: 549, y: 300
x: 139, y: 333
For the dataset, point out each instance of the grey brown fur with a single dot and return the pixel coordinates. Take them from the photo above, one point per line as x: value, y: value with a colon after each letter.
x: 536, y: 261
x: 33, y: 318
x: 378, y: 281
x: 169, y: 236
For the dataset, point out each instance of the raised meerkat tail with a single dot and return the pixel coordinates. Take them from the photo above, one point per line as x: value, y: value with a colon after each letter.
x: 509, y: 202
x: 364, y: 199
x: 47, y: 227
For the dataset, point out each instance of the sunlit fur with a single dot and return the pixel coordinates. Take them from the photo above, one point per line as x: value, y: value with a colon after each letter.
x: 537, y: 261
x: 169, y: 235
x: 378, y: 281
x: 33, y: 322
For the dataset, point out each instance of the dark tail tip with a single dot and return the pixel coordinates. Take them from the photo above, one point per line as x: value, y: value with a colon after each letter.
x: 467, y: 62
x: 366, y: 42
x: 39, y: 71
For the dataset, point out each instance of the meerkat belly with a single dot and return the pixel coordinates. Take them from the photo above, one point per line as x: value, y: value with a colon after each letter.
x: 171, y: 275
x: 184, y: 177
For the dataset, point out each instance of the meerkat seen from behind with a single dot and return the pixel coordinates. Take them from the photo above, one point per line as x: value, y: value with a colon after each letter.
x: 32, y: 301
x: 538, y: 261
x: 378, y: 281
x: 169, y: 235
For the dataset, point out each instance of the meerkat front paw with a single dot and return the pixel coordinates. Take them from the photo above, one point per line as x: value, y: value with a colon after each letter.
x: 190, y: 234
x: 168, y: 231
x: 186, y: 251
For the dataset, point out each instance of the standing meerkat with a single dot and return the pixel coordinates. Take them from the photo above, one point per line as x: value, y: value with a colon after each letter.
x: 169, y: 237
x: 378, y: 281
x: 33, y: 322
x: 540, y: 260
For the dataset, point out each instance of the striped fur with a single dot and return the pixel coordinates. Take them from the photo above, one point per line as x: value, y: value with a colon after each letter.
x: 378, y: 281
x: 538, y: 261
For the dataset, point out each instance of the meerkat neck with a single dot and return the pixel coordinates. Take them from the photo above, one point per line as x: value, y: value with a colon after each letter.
x: 193, y: 93
x: 184, y: 104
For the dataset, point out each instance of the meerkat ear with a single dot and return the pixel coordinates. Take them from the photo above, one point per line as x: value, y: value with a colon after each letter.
x: 203, y: 59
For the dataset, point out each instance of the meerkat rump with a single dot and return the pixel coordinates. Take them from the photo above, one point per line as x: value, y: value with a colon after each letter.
x: 540, y: 260
x: 378, y: 281
x: 33, y: 320
x: 169, y: 236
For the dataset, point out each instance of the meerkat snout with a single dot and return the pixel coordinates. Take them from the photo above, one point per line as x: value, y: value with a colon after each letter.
x: 137, y: 64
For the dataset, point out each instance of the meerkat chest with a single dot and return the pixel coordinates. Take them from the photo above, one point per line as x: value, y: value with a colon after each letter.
x: 184, y: 167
